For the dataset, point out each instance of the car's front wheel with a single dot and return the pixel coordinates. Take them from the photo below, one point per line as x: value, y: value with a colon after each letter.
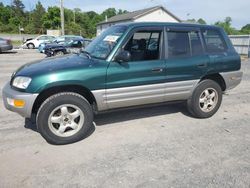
x: 206, y: 99
x: 59, y: 53
x: 31, y: 46
x: 64, y: 118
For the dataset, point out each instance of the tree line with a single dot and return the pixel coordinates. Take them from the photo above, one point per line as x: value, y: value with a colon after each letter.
x: 37, y: 21
x: 226, y: 24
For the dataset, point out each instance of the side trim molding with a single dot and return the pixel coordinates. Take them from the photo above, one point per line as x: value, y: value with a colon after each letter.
x: 145, y: 94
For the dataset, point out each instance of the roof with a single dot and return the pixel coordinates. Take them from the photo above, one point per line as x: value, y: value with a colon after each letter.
x: 136, y: 14
x: 166, y: 24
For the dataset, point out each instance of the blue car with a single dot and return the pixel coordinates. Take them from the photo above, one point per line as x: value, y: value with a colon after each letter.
x: 59, y: 40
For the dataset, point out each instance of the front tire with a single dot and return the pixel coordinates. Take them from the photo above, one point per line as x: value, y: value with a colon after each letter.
x: 205, y: 100
x: 31, y: 46
x: 64, y: 118
x: 59, y: 53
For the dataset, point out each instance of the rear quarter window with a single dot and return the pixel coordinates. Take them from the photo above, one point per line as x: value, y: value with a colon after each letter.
x: 214, y: 41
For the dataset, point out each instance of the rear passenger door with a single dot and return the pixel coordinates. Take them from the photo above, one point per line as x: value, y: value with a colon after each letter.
x: 185, y: 56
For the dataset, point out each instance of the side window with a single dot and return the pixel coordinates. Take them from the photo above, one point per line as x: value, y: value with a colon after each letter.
x: 76, y: 44
x: 144, y: 45
x: 51, y: 38
x: 214, y: 41
x: 178, y: 44
x: 42, y: 38
x: 196, y: 45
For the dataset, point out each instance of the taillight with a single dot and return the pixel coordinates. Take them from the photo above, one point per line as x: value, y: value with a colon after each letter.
x: 8, y: 41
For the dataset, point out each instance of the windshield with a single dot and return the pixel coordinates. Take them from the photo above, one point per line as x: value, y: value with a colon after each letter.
x: 103, y: 44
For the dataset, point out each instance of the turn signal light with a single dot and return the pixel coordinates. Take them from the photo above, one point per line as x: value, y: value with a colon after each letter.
x: 18, y: 103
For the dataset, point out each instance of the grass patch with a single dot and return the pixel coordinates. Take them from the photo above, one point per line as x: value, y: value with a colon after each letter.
x: 16, y: 43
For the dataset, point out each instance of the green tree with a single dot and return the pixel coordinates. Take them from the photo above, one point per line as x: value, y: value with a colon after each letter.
x: 37, y: 15
x: 120, y: 11
x: 227, y: 26
x: 5, y: 14
x: 18, y: 9
x: 40, y: 19
x: 51, y: 19
x: 201, y: 21
x: 110, y: 12
x: 245, y: 29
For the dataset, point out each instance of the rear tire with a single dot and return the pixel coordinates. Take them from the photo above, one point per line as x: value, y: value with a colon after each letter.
x: 205, y: 100
x: 64, y: 118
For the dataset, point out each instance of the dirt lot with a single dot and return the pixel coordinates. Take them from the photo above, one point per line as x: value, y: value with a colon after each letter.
x: 150, y: 147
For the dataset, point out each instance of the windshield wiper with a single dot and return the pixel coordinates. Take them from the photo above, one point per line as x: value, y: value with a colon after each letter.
x: 86, y: 53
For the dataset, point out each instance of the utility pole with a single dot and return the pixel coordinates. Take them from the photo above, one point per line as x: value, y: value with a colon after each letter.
x: 62, y: 17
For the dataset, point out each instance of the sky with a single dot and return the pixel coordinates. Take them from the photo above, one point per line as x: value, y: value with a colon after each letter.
x: 209, y: 10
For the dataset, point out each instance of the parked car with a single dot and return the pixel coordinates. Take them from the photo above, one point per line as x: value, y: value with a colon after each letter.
x: 192, y: 63
x: 59, y: 40
x: 34, y: 43
x: 73, y: 46
x: 5, y: 45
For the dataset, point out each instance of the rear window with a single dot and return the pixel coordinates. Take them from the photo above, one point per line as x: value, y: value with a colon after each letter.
x: 214, y: 41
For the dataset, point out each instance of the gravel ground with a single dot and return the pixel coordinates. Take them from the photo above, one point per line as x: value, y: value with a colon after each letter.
x: 158, y: 146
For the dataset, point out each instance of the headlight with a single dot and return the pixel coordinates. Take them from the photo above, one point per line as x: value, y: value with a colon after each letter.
x: 21, y: 82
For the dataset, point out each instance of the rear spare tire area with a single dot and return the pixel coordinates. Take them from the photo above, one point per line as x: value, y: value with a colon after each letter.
x: 205, y: 100
x: 64, y: 118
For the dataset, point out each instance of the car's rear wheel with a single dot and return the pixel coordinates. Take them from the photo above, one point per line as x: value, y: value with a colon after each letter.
x: 206, y: 99
x: 31, y: 46
x: 64, y: 118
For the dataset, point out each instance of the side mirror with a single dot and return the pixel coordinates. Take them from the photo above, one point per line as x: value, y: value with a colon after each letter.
x: 123, y: 56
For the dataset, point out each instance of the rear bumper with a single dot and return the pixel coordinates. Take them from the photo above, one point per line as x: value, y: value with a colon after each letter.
x: 6, y: 48
x: 232, y: 79
x: 29, y: 98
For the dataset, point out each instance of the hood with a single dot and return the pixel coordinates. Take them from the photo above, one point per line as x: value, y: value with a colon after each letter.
x: 55, y: 64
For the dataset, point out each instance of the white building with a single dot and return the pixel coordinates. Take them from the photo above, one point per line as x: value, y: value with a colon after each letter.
x: 153, y: 14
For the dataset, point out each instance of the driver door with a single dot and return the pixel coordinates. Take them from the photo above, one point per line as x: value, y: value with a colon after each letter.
x: 140, y: 80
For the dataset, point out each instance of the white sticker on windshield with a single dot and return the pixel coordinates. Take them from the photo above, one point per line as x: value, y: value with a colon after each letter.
x: 111, y: 38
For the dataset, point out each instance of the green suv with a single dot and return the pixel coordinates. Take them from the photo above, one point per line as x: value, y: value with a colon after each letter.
x: 127, y: 65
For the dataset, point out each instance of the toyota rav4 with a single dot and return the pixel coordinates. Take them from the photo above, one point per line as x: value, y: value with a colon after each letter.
x: 127, y: 65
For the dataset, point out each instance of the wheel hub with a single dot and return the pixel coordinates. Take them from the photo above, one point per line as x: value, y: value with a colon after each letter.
x: 66, y: 120
x: 208, y: 100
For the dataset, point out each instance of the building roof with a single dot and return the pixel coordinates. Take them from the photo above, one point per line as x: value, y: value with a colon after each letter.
x: 136, y: 14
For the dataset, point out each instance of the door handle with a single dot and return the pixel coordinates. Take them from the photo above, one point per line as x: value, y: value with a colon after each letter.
x: 157, y: 70
x: 202, y: 65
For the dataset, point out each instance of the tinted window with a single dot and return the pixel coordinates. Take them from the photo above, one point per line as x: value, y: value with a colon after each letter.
x: 178, y: 44
x: 144, y: 45
x: 196, y: 45
x: 214, y: 41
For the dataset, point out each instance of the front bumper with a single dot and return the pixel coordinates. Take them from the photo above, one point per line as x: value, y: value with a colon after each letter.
x: 232, y: 79
x: 29, y: 98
